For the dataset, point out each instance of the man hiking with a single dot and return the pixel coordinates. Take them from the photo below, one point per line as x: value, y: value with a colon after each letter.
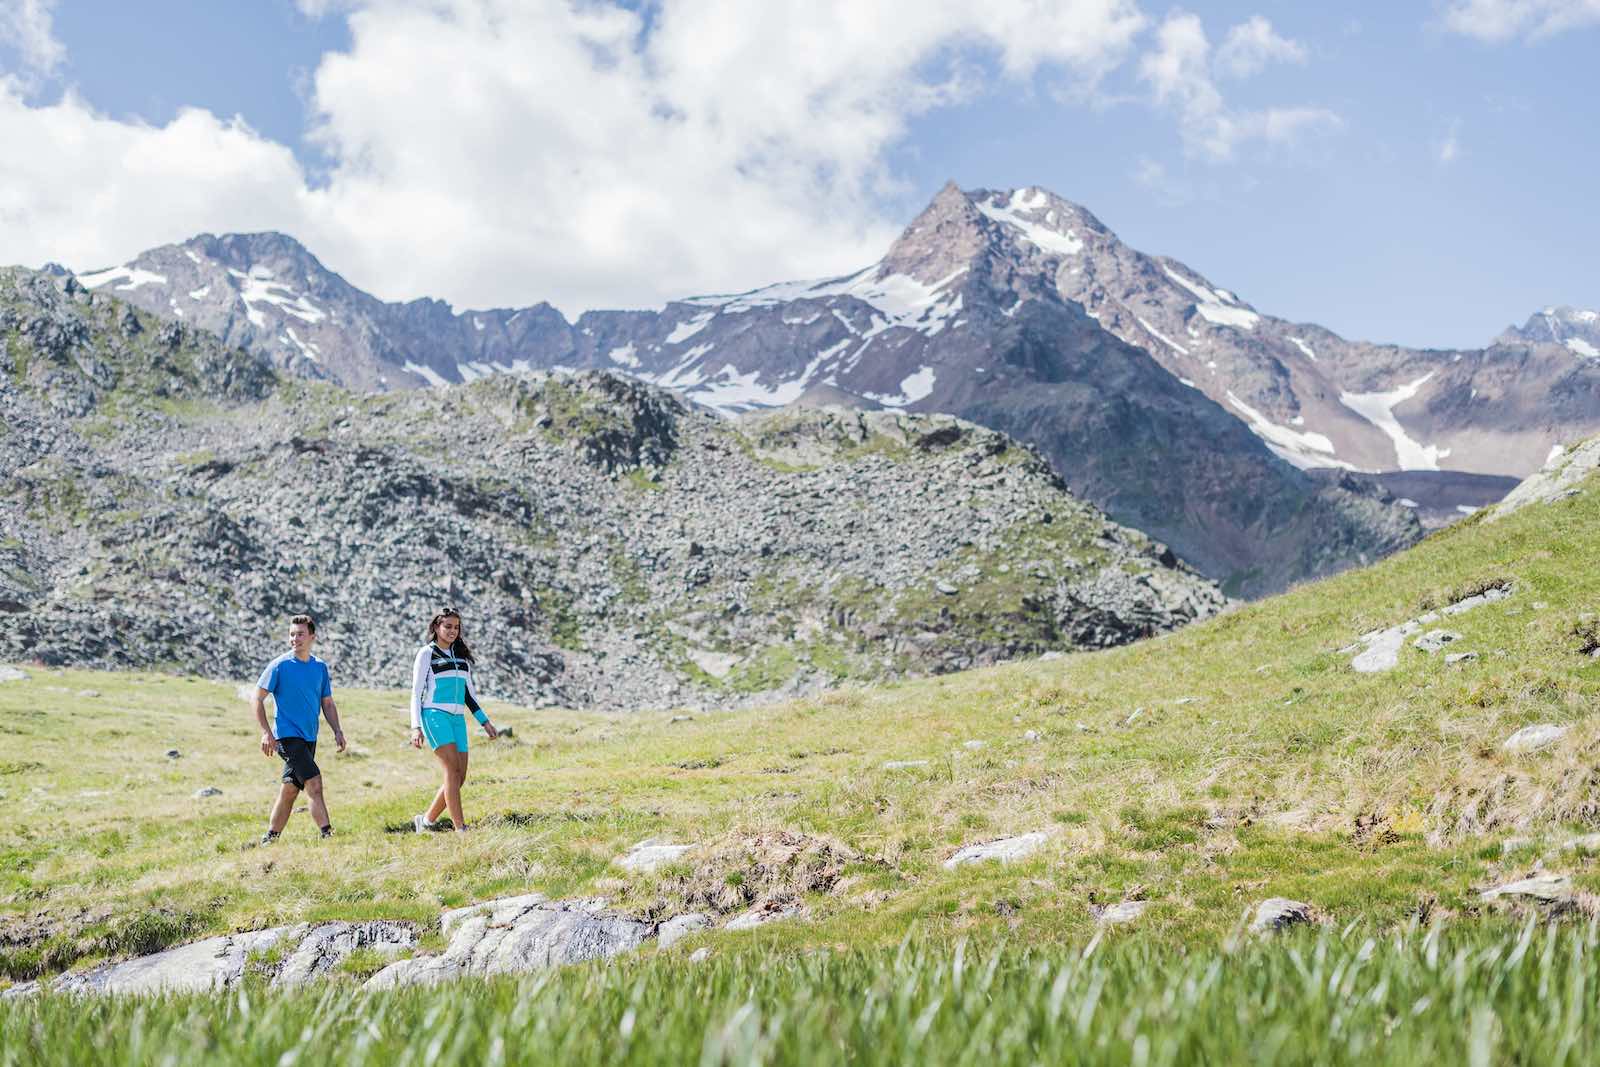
x: 300, y: 684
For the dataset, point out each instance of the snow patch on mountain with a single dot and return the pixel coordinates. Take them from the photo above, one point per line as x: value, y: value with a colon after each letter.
x: 1006, y: 212
x: 1378, y: 409
x: 1211, y: 305
x: 428, y: 373
x: 687, y: 373
x: 259, y: 288
x: 1583, y: 348
x: 1302, y: 346
x: 623, y: 356
x: 914, y: 387
x: 900, y: 298
x: 307, y: 349
x: 1159, y: 336
x: 133, y: 277
x: 1304, y: 450
x: 689, y: 327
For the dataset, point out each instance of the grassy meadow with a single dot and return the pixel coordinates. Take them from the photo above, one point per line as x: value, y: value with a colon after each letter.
x: 1204, y: 771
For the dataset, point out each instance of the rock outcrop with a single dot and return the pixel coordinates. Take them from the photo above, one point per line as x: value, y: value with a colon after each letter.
x: 517, y: 935
x: 283, y: 956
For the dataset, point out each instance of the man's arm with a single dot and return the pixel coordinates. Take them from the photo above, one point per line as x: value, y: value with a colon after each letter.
x: 331, y: 713
x: 258, y: 704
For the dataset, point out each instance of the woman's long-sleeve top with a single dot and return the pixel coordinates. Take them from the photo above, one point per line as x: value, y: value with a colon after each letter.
x: 443, y: 680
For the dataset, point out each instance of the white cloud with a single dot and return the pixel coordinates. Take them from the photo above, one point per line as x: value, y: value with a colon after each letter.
x: 1501, y: 20
x: 1450, y: 147
x: 1166, y: 188
x: 1180, y: 72
x: 1251, y: 45
x: 83, y: 189
x: 26, y: 25
x: 506, y: 151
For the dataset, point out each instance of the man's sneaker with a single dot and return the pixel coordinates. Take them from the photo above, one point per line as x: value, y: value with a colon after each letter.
x: 269, y: 837
x: 421, y: 825
x: 327, y: 831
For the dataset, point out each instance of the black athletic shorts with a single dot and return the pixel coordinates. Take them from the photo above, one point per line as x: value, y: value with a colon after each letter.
x: 299, y: 760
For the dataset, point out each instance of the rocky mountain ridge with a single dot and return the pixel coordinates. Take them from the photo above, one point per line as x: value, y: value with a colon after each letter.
x: 964, y: 315
x: 169, y: 500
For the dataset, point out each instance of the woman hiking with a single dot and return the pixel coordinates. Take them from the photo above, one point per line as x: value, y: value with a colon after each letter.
x: 441, y: 695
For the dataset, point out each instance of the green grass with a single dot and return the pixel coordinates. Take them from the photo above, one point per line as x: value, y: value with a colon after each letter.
x: 1203, y: 771
x: 1481, y: 996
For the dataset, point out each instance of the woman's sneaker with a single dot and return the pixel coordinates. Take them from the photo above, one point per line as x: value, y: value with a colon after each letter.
x: 421, y: 825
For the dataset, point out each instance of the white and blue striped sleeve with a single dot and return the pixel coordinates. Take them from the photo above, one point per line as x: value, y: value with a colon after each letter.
x: 421, y: 672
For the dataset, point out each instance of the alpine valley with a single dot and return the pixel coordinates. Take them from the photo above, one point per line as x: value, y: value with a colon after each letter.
x: 169, y: 500
x: 1265, y: 452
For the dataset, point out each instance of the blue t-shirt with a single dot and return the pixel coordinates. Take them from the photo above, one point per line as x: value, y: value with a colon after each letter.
x: 298, y: 688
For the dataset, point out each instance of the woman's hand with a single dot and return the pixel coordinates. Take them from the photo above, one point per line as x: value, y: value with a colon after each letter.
x: 490, y: 730
x: 416, y: 737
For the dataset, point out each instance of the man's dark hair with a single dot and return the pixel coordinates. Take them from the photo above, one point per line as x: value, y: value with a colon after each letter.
x: 311, y: 624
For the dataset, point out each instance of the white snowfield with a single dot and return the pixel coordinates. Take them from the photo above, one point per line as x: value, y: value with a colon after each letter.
x: 131, y: 276
x: 900, y: 298
x: 1303, y: 449
x: 1212, y: 306
x: 1302, y: 346
x: 258, y: 288
x: 1041, y: 235
x: 1378, y: 409
x: 432, y: 376
x: 731, y: 392
x: 914, y: 387
x: 1159, y: 336
x: 1583, y: 348
x: 688, y: 328
x: 307, y: 348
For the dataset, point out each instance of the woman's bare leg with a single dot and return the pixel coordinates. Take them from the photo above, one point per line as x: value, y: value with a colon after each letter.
x: 449, y: 795
x: 461, y: 780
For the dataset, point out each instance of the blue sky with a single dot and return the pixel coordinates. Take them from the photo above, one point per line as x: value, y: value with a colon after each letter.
x: 1418, y: 173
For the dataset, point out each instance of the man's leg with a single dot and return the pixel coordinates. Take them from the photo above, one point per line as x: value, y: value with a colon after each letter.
x: 288, y: 793
x: 319, y: 809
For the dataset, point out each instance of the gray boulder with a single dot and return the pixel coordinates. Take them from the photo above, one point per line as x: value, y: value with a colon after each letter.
x: 650, y: 855
x: 1540, y: 888
x: 1277, y: 913
x: 516, y: 936
x: 1005, y: 850
x: 679, y: 927
x: 761, y: 916
x: 1533, y: 738
x: 324, y: 947
x: 202, y: 967
x: 1125, y: 912
x: 1434, y: 640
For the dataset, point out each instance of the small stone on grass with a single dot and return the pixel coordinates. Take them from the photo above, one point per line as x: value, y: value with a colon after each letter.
x: 1533, y: 738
